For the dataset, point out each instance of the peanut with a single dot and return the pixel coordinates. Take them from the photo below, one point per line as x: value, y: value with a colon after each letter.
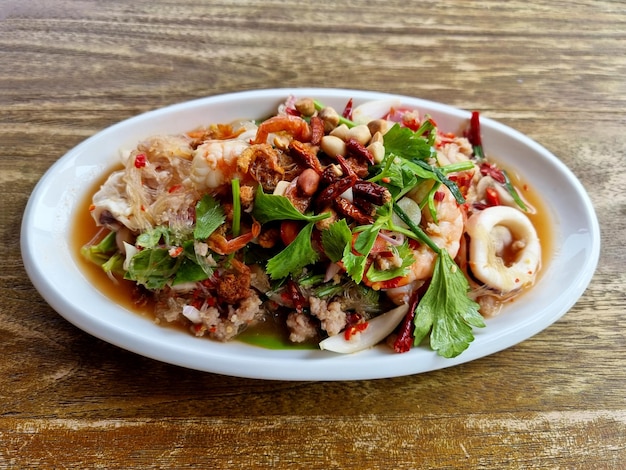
x: 330, y: 118
x: 379, y: 125
x: 305, y: 106
x: 360, y: 133
x: 333, y: 146
x: 377, y: 149
x: 377, y: 137
x: 308, y: 182
x: 341, y: 131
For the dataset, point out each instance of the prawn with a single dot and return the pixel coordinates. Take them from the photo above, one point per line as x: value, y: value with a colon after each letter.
x: 223, y: 246
x: 215, y: 162
x: 446, y: 233
x: 297, y: 127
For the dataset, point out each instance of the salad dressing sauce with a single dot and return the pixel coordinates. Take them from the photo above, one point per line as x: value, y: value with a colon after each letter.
x: 84, y: 229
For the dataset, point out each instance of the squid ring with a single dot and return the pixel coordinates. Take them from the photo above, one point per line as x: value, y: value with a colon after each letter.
x: 485, y: 258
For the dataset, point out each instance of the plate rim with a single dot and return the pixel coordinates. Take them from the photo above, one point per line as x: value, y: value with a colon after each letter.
x: 277, y: 366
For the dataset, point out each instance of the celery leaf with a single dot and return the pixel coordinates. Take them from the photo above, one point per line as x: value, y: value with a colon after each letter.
x: 152, y: 268
x: 209, y: 216
x: 335, y: 239
x: 446, y: 312
x: 403, y: 142
x: 268, y: 207
x: 403, y: 252
x: 298, y: 254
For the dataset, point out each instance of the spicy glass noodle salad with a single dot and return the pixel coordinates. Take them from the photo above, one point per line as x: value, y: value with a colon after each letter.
x: 348, y: 228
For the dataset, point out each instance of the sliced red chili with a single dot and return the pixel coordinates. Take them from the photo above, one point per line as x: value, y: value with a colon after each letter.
x: 349, y: 332
x: 492, y: 197
x: 140, y: 160
x: 463, y: 181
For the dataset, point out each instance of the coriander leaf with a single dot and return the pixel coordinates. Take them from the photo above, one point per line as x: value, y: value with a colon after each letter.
x: 403, y: 142
x: 209, y: 216
x: 206, y: 262
x: 354, y: 263
x: 405, y: 254
x: 268, y: 207
x: 399, y: 178
x: 335, y: 239
x: 445, y: 310
x: 151, y: 238
x: 296, y: 256
x: 429, y: 129
x: 355, y: 255
x: 188, y: 271
x: 365, y: 240
x: 152, y: 268
x: 193, y: 267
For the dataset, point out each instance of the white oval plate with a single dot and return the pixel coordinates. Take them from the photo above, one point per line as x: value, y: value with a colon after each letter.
x: 52, y: 266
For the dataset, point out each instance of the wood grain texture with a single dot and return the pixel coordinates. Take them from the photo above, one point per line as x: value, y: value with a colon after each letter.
x: 552, y: 69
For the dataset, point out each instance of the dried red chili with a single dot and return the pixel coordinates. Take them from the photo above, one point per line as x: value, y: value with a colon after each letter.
x: 349, y: 209
x: 489, y: 169
x: 372, y: 192
x: 356, y: 148
x: 333, y: 190
x: 347, y: 111
x: 295, y: 296
x: 404, y: 340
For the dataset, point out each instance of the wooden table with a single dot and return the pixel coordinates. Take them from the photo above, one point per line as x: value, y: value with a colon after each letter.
x: 553, y: 70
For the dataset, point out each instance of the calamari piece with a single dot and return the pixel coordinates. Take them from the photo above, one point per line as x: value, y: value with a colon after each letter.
x: 110, y: 206
x: 145, y: 193
x: 504, y: 250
